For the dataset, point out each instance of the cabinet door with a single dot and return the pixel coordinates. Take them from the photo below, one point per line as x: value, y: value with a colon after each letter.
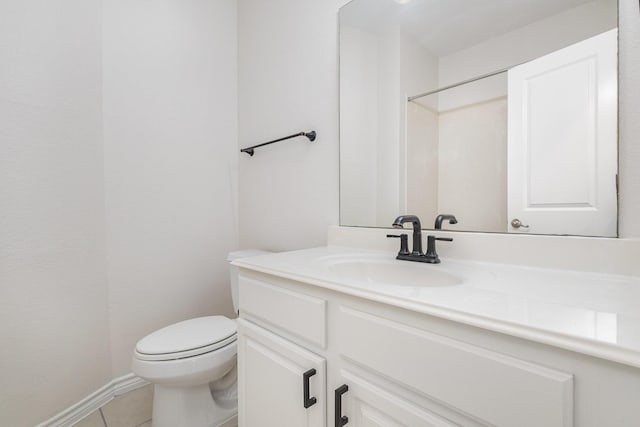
x: 271, y: 381
x: 367, y: 405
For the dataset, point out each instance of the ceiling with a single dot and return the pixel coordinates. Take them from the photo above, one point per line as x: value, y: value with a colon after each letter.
x: 447, y: 26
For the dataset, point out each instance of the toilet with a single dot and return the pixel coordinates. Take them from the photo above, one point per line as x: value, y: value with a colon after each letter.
x: 192, y: 365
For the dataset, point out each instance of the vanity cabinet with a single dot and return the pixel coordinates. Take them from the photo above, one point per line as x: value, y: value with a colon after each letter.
x: 274, y: 373
x: 380, y: 365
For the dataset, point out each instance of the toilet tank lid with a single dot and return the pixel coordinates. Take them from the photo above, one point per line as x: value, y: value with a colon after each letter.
x: 246, y: 253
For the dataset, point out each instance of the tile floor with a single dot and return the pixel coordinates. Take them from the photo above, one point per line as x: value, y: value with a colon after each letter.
x: 131, y: 409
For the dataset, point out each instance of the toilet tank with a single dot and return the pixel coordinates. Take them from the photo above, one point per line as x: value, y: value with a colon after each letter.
x: 233, y: 270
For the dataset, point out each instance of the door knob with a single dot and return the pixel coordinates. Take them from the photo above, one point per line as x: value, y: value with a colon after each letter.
x: 516, y: 223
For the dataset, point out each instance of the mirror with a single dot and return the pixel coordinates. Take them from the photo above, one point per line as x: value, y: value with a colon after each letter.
x: 500, y: 112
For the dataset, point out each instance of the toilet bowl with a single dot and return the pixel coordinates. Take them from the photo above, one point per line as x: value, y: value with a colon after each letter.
x: 192, y: 365
x: 184, y: 361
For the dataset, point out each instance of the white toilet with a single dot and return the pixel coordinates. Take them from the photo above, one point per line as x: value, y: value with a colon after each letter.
x: 192, y: 365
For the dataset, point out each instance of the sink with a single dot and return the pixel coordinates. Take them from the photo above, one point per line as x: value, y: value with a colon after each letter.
x: 378, y: 270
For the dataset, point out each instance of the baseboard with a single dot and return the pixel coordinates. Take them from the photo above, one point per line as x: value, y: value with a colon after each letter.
x: 231, y: 422
x: 95, y: 401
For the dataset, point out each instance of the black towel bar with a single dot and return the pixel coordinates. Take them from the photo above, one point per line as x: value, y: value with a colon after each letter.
x: 311, y: 135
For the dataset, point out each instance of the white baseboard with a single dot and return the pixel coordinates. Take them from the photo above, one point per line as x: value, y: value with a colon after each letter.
x: 95, y: 401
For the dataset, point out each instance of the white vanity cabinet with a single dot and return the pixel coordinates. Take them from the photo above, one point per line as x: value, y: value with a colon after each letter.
x: 281, y: 383
x: 272, y: 372
x: 384, y: 366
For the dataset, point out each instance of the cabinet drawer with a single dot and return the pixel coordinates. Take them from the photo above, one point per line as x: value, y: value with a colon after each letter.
x: 492, y: 387
x: 370, y: 405
x: 301, y: 315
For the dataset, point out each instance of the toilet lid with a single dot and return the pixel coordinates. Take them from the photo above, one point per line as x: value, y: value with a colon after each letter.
x: 188, y: 338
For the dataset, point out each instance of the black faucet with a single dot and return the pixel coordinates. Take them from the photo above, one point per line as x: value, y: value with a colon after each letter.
x: 444, y: 217
x: 417, y: 231
x: 431, y: 256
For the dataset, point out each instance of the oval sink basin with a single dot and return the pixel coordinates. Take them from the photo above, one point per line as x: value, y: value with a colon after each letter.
x: 390, y: 272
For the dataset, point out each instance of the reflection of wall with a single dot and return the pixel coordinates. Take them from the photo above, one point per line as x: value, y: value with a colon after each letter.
x: 369, y: 83
x: 389, y: 108
x: 418, y: 144
x: 529, y: 42
x: 472, y: 180
x: 458, y: 164
x: 418, y: 67
x: 422, y: 162
x: 377, y: 73
x: 471, y: 93
x: 358, y: 126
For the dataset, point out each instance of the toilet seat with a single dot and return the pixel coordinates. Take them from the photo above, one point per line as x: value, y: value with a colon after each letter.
x: 185, y: 339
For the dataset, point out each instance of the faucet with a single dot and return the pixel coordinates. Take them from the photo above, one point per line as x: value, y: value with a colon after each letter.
x: 444, y: 217
x: 416, y: 254
x: 417, y: 231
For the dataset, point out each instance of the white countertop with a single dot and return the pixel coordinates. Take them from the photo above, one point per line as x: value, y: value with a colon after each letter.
x: 591, y: 313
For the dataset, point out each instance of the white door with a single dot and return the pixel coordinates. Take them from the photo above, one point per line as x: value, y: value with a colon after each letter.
x: 563, y: 141
x: 271, y: 381
x: 366, y: 405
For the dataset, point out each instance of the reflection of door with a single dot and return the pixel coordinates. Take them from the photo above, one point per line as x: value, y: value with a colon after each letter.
x: 563, y: 141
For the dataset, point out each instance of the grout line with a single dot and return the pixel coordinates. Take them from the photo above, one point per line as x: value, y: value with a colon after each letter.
x: 141, y: 424
x: 104, y: 421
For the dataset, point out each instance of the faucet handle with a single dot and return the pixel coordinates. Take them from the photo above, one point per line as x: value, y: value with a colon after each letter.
x: 431, y: 255
x: 404, y: 243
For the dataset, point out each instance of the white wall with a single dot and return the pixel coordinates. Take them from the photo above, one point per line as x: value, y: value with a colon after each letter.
x: 77, y: 286
x: 53, y: 289
x: 288, y: 82
x: 170, y: 163
x: 629, y: 122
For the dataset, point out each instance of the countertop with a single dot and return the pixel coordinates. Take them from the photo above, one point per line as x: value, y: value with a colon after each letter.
x: 590, y: 313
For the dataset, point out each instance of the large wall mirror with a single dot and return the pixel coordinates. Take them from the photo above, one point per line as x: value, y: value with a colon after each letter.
x: 500, y: 112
